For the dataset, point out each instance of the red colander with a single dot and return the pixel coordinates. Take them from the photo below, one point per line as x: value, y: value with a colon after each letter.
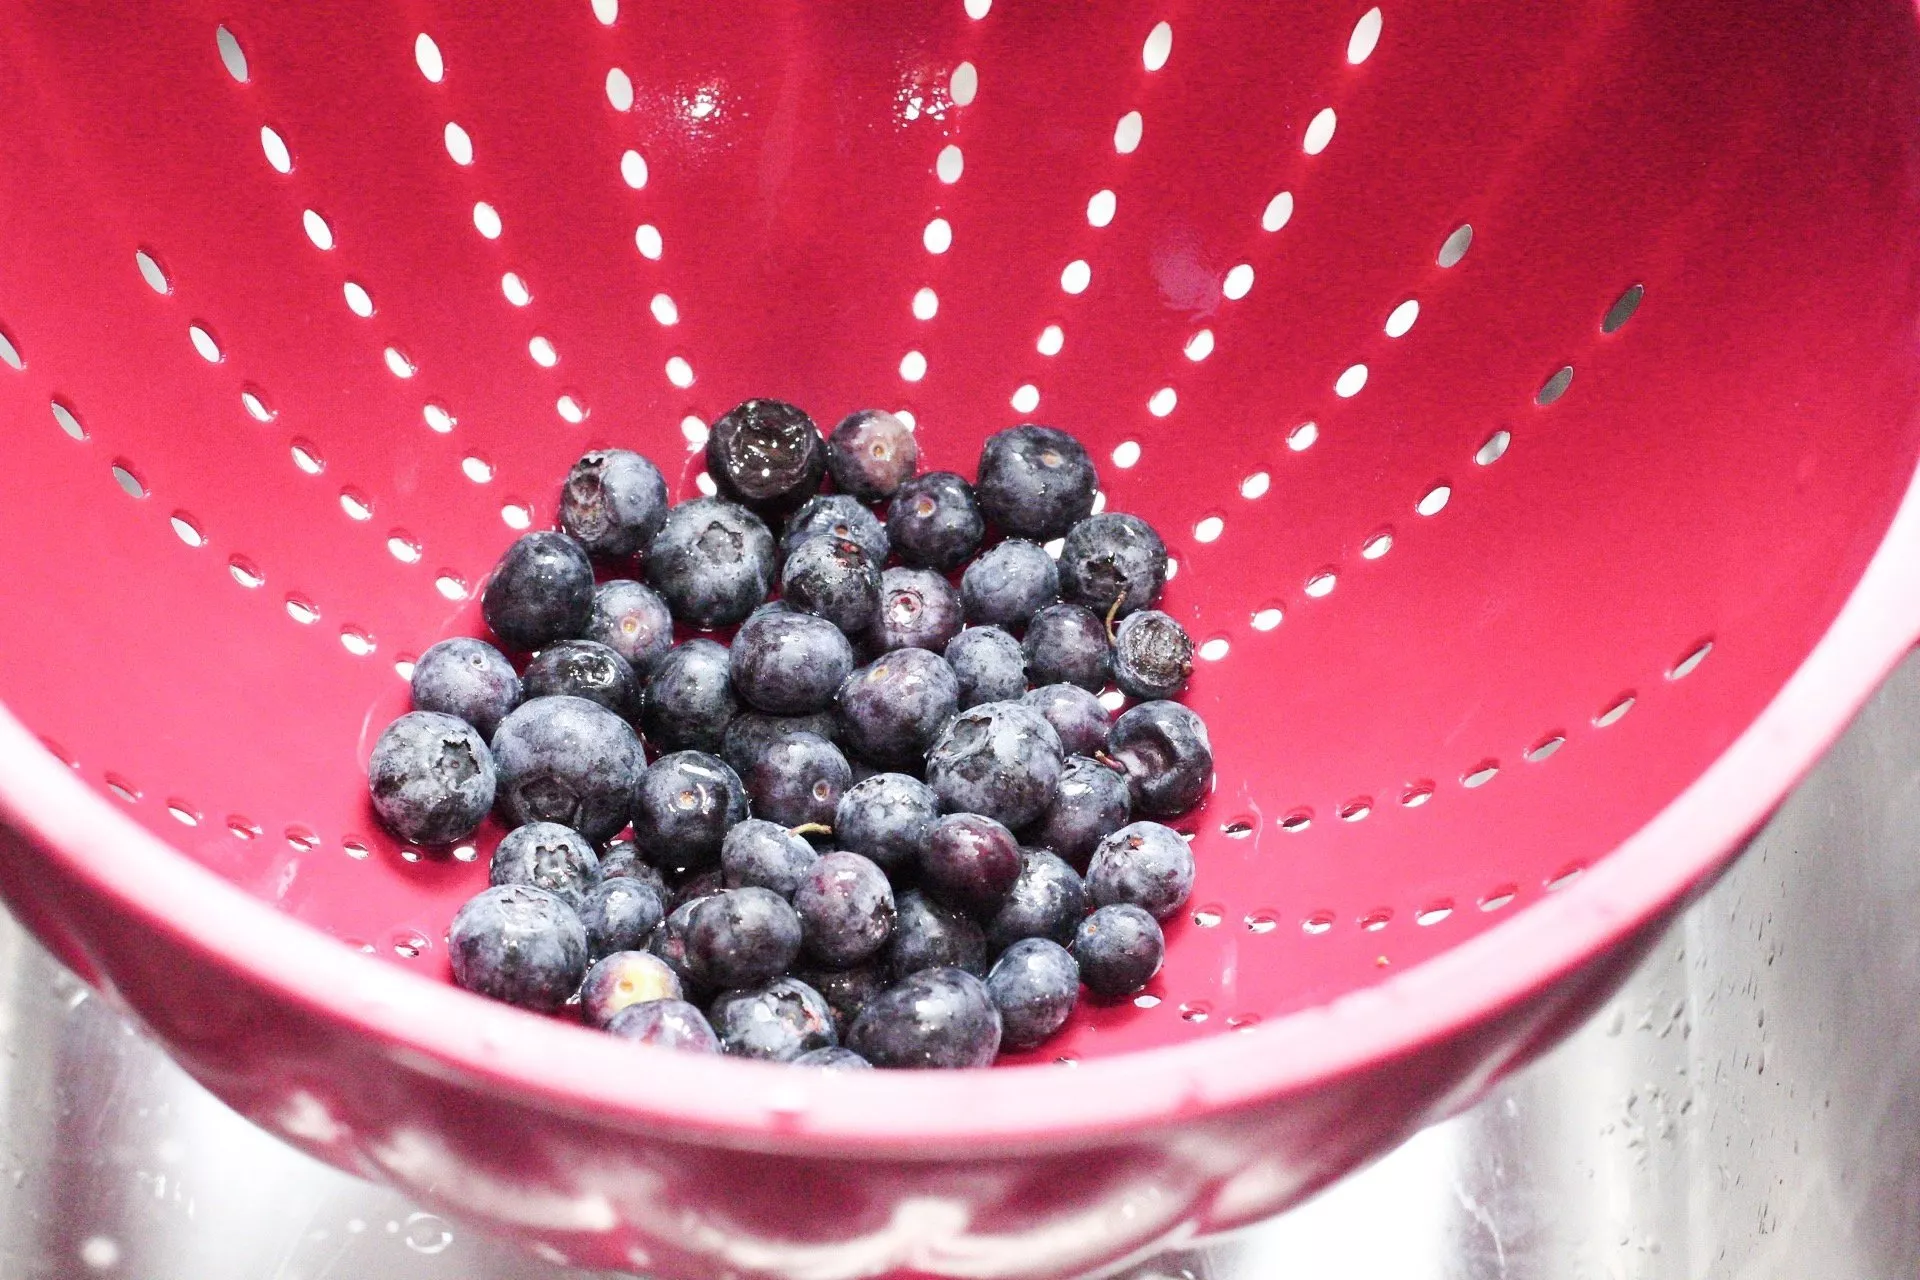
x: 1527, y: 393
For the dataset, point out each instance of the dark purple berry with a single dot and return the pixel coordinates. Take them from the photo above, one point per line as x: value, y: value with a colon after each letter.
x: 1075, y: 714
x: 841, y: 516
x: 750, y: 733
x: 621, y: 978
x: 1119, y: 949
x: 933, y: 522
x: 619, y: 915
x: 774, y: 1023
x: 1035, y: 985
x: 620, y: 859
x: 847, y: 990
x: 988, y: 664
x: 798, y: 781
x: 833, y: 579
x: 614, y: 501
x: 833, y: 1058
x: 789, y: 663
x: 1000, y: 759
x: 1145, y: 864
x: 540, y: 592
x: 666, y: 1024
x: 631, y: 619
x: 467, y: 679
x: 741, y: 937
x: 766, y: 855
x: 683, y: 806
x: 926, y: 935
x: 695, y: 885
x: 1152, y: 655
x: 1090, y: 803
x: 688, y: 702
x: 1112, y: 557
x: 871, y: 454
x: 970, y: 863
x: 892, y: 708
x: 933, y: 1018
x: 887, y: 818
x: 846, y: 909
x: 1047, y: 901
x: 669, y: 940
x: 431, y: 777
x: 548, y: 856
x: 712, y: 562
x: 1010, y: 582
x: 1066, y: 644
x: 1035, y: 482
x: 567, y: 760
x: 1167, y: 756
x: 519, y: 944
x: 766, y: 455
x: 584, y: 669
x: 919, y: 609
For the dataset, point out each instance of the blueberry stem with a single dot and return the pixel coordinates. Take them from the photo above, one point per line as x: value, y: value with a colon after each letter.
x: 811, y: 829
x: 1112, y: 610
x: 1109, y: 761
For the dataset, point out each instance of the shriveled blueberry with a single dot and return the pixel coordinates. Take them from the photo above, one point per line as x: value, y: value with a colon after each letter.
x: 841, y: 516
x: 1090, y: 803
x: 620, y: 978
x: 891, y: 709
x: 1047, y: 901
x: 871, y: 454
x: 740, y: 937
x: 834, y: 579
x: 1111, y: 557
x: 519, y: 944
x: 712, y: 562
x: 776, y: 1022
x: 1143, y: 863
x: 1167, y: 755
x: 887, y: 818
x: 683, y: 805
x: 767, y: 455
x: 431, y: 777
x: 1000, y: 759
x: 694, y: 885
x: 567, y: 760
x: 933, y: 1018
x: 1035, y: 482
x: 1119, y: 949
x: 1067, y: 644
x: 548, y: 856
x: 926, y: 935
x: 1010, y: 582
x: 631, y: 619
x: 1075, y: 714
x: 798, y: 781
x: 919, y: 609
x: 766, y: 854
x: 988, y: 664
x: 1035, y: 984
x: 467, y: 679
x: 834, y: 1058
x: 668, y: 941
x: 846, y: 909
x: 790, y: 663
x: 540, y: 592
x: 1152, y: 655
x: 847, y: 990
x: 933, y: 521
x: 666, y: 1024
x: 970, y: 863
x: 614, y: 501
x: 751, y: 732
x: 620, y: 913
x: 584, y: 669
x: 689, y: 700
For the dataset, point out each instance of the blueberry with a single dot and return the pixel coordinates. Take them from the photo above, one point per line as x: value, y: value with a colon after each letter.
x: 767, y: 455
x: 767, y: 855
x: 970, y: 863
x: 892, y: 708
x: 1035, y: 985
x: 666, y: 1024
x: 585, y: 670
x: 567, y: 760
x: 467, y: 679
x: 1090, y: 803
x: 614, y: 501
x: 1167, y: 756
x: 631, y: 619
x: 751, y: 732
x: 683, y: 805
x: 847, y: 990
x: 871, y: 454
x: 622, y: 978
x: 1035, y: 482
x: 833, y: 1058
x: 1047, y: 901
x: 988, y: 664
x: 1112, y: 557
x: 834, y: 579
x: 620, y: 913
x: 547, y: 856
x: 431, y: 777
x: 712, y: 562
x: 1119, y: 949
x: 933, y: 1018
x: 519, y: 944
x: 688, y: 701
x: 888, y: 819
x: 739, y: 937
x: 1000, y: 759
x: 775, y: 1023
x: 1075, y: 714
x: 934, y: 523
x: 620, y: 859
x: 1145, y: 864
x: 789, y: 663
x: 798, y: 781
x: 1010, y: 582
x: 541, y: 591
x: 668, y: 941
x: 1067, y: 644
x: 842, y: 516
x: 1152, y: 655
x: 926, y: 935
x: 695, y: 885
x: 919, y: 609
x: 846, y: 909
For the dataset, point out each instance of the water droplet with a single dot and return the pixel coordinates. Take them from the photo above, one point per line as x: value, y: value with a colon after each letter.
x: 427, y: 1234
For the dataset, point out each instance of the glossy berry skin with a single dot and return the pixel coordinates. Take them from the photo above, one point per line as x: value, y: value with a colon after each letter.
x: 927, y: 935
x: 741, y: 937
x: 934, y: 523
x: 620, y: 913
x: 668, y: 941
x: 567, y: 760
x: 683, y: 806
x: 1111, y: 557
x: 631, y: 619
x: 798, y: 781
x: 431, y: 777
x: 1090, y: 802
x: 847, y: 990
x: 846, y: 910
x: 1119, y: 948
x: 988, y: 664
x: 751, y: 732
x: 1047, y: 901
x: 519, y: 944
x: 789, y: 664
x: 1034, y: 984
x: 777, y: 1022
x: 620, y: 859
x: 970, y: 864
x: 1152, y: 655
x: 666, y: 1024
x: 547, y: 856
x: 689, y: 701
x: 584, y: 669
x: 919, y: 609
x: 1035, y: 482
x: 839, y: 515
x: 1010, y: 582
x: 540, y: 592
x: 712, y: 562
x: 832, y: 578
x: 467, y: 679
x: 933, y: 1018
x: 888, y: 819
x: 695, y: 885
x: 1066, y: 644
x: 1168, y: 758
x: 767, y: 855
x: 613, y: 502
x: 1145, y: 864
x: 892, y: 708
x: 1075, y: 714
x: 834, y: 1058
x: 621, y: 978
x: 871, y: 454
x: 999, y: 759
x: 766, y: 455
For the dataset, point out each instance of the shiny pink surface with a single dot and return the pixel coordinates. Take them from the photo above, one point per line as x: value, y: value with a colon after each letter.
x: 1723, y: 466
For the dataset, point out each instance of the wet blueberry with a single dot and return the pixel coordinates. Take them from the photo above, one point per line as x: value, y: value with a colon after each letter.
x: 926, y: 935
x: 1167, y: 756
x: 666, y: 1024
x: 970, y: 863
x: 467, y: 679
x: 777, y: 1022
x: 892, y: 708
x: 751, y: 732
x: 688, y: 702
x: 712, y: 562
x: 999, y: 759
x: 933, y: 521
x: 622, y: 978
x: 833, y: 578
x: 1112, y: 557
x: 585, y: 670
x: 567, y: 760
x: 548, y: 856
x: 767, y: 855
x: 668, y: 941
x: 614, y: 501
x: 620, y: 913
x: 919, y: 609
x: 540, y: 592
x: 767, y: 455
x: 846, y: 909
x: 1119, y: 949
x: 682, y: 807
x: 933, y: 1018
x: 1152, y: 655
x: 1075, y: 714
x: 871, y: 454
x: 631, y: 619
x: 621, y: 859
x: 789, y: 663
x: 988, y: 664
x: 834, y: 1058
x: 1035, y: 985
x: 1090, y: 803
x: 888, y: 819
x: 847, y: 990
x: 740, y: 937
x: 1047, y: 901
x: 1066, y: 644
x: 1010, y: 582
x: 431, y: 777
x: 842, y: 516
x: 1035, y: 482
x: 694, y: 885
x: 798, y: 781
x: 519, y: 944
x: 1145, y: 864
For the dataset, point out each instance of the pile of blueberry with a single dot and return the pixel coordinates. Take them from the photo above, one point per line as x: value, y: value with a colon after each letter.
x: 870, y: 834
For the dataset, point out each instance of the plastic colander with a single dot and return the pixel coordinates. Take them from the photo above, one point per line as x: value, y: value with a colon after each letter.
x: 1527, y: 394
